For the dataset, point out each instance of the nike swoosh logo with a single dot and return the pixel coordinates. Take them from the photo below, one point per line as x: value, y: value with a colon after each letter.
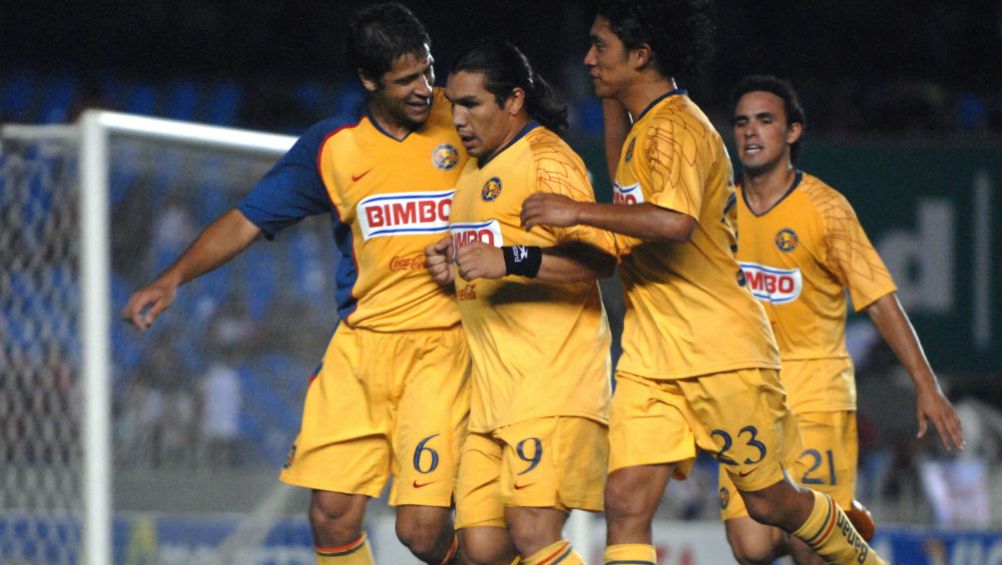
x: 356, y: 178
x: 416, y: 484
x: 520, y: 487
x: 745, y: 473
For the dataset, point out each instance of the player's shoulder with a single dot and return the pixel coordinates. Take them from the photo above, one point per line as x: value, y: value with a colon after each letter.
x: 678, y: 118
x: 543, y: 141
x: 556, y: 166
x: 829, y: 202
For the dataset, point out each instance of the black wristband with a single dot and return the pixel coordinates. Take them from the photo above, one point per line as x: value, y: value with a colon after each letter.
x: 522, y: 260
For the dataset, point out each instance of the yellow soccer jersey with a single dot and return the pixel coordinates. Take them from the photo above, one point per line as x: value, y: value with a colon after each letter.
x: 389, y: 199
x: 539, y: 349
x: 688, y: 309
x: 799, y: 257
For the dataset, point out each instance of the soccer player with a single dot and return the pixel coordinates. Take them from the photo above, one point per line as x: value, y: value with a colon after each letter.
x: 531, y: 309
x: 801, y: 247
x: 391, y: 396
x: 699, y: 364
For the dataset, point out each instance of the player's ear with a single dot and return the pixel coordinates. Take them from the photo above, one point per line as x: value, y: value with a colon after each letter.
x: 642, y: 55
x: 515, y: 101
x: 370, y: 84
x: 793, y: 132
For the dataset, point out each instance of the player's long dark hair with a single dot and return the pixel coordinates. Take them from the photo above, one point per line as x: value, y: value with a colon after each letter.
x: 784, y: 90
x: 680, y: 32
x: 382, y: 32
x: 507, y: 68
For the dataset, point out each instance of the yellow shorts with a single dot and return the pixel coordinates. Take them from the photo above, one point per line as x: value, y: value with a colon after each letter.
x: 826, y: 464
x: 385, y: 404
x: 740, y: 416
x: 556, y: 462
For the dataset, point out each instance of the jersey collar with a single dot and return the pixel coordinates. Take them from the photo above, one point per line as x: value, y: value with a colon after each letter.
x: 657, y: 100
x: 531, y: 125
x: 797, y: 177
x: 375, y: 124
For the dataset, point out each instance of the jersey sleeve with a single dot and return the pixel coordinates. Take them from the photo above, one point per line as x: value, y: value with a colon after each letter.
x: 292, y: 189
x: 849, y: 255
x: 560, y: 173
x: 676, y: 179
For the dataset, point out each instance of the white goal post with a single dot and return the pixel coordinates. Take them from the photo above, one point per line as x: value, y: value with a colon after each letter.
x: 92, y: 132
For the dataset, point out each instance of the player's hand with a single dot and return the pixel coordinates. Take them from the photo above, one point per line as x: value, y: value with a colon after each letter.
x: 438, y: 259
x: 548, y: 209
x: 931, y: 404
x: 149, y: 302
x: 477, y: 260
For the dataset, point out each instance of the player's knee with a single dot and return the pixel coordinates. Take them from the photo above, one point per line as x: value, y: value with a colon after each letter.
x: 530, y: 532
x: 622, y: 502
x: 756, y: 550
x: 335, y: 520
x: 484, y: 546
x: 427, y: 537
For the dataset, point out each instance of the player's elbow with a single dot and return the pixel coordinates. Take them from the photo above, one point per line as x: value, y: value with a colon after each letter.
x: 679, y: 230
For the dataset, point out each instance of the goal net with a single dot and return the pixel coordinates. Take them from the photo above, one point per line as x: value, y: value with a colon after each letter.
x: 125, y: 447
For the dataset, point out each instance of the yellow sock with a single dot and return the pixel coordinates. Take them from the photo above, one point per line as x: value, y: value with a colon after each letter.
x: 830, y: 533
x: 638, y: 553
x: 357, y: 552
x: 560, y: 552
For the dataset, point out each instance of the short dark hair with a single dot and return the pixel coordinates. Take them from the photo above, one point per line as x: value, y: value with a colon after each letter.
x: 506, y: 68
x: 680, y: 32
x: 784, y: 90
x: 381, y: 33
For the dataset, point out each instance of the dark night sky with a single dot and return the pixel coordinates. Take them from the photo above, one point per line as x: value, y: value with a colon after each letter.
x: 824, y: 45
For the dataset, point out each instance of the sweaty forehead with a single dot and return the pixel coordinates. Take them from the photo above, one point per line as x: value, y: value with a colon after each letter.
x: 463, y: 84
x: 758, y: 102
x: 412, y: 62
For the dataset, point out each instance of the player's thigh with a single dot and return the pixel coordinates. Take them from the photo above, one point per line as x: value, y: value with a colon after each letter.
x: 828, y: 460
x: 745, y: 423
x: 431, y: 388
x: 342, y: 444
x: 651, y: 423
x: 556, y: 462
x: 478, y: 487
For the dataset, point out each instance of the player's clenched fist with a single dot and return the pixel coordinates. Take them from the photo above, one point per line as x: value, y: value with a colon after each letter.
x: 477, y: 260
x: 437, y: 259
x: 149, y: 302
x: 547, y: 209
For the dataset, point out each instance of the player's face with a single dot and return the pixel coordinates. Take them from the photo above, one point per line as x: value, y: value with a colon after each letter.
x: 404, y: 92
x: 482, y: 125
x: 607, y: 60
x: 761, y: 133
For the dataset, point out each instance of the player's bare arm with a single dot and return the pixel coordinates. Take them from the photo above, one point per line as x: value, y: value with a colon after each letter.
x: 931, y: 404
x: 438, y: 259
x: 643, y: 221
x: 220, y: 241
x: 566, y: 262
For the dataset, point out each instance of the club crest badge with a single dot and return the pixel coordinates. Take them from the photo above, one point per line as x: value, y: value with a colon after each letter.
x: 445, y: 157
x: 786, y: 240
x: 491, y: 190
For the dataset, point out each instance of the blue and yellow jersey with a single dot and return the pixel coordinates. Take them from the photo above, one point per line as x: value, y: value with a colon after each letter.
x: 688, y: 309
x: 799, y: 257
x: 388, y: 198
x: 539, y: 349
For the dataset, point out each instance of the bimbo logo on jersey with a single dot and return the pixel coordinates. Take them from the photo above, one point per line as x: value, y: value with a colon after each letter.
x: 627, y: 194
x: 769, y: 284
x: 404, y: 213
x: 488, y: 232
